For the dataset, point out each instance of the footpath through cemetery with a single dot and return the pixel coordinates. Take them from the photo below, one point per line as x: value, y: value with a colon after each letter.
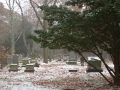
x: 23, y: 73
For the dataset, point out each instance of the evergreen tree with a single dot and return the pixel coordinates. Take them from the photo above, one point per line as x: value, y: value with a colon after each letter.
x: 96, y: 28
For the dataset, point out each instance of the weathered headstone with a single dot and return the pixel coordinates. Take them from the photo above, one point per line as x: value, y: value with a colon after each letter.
x: 66, y: 57
x: 96, y: 63
x: 25, y: 61
x: 72, y: 59
x: 29, y: 68
x: 59, y: 57
x: 82, y: 61
x: 9, y: 60
x: 20, y: 57
x: 13, y: 67
x: 15, y: 59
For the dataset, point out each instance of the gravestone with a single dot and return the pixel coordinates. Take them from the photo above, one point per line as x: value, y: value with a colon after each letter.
x: 13, y: 67
x: 33, y: 61
x: 82, y: 61
x: 20, y: 57
x: 15, y: 59
x: 96, y: 63
x: 25, y: 61
x: 72, y: 60
x: 59, y: 57
x: 66, y: 57
x: 9, y: 60
x: 29, y: 68
x: 73, y: 70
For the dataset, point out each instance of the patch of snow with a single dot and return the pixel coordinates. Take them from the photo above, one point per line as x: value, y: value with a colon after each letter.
x: 54, y: 76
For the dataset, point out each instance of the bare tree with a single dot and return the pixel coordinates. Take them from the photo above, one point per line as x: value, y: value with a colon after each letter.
x: 23, y: 27
x: 11, y: 6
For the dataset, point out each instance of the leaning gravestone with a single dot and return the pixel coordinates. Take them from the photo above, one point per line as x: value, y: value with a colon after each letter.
x: 13, y: 67
x: 72, y: 60
x: 29, y: 68
x: 15, y: 59
x: 96, y: 63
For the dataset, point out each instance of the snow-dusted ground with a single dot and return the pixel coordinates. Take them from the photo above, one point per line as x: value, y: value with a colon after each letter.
x: 54, y: 76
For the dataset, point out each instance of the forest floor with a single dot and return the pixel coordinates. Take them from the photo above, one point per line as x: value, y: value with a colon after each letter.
x: 55, y: 76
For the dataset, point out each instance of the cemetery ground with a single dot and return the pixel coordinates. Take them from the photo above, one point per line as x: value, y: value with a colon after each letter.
x: 54, y: 76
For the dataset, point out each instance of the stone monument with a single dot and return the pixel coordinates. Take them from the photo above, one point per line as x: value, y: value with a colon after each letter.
x: 96, y: 62
x: 72, y: 59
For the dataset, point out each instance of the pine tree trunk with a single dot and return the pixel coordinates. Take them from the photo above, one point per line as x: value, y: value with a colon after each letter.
x: 45, y: 55
x: 45, y: 50
x: 117, y: 68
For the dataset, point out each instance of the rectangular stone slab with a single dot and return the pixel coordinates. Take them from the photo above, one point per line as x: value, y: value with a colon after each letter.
x: 24, y: 62
x: 13, y: 67
x: 29, y: 68
x: 96, y: 63
x: 73, y: 70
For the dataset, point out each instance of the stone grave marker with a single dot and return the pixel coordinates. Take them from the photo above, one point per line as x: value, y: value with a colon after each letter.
x: 29, y: 68
x: 9, y: 60
x: 25, y: 61
x: 82, y: 61
x: 33, y: 61
x: 73, y: 70
x: 13, y: 67
x: 15, y: 59
x: 72, y: 59
x: 55, y: 57
x: 66, y: 57
x: 20, y: 57
x: 59, y: 57
x: 96, y: 62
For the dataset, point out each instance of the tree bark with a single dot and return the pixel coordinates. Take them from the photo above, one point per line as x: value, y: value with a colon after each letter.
x: 45, y: 50
x: 11, y: 6
x: 23, y: 29
x: 11, y: 31
x: 117, y: 68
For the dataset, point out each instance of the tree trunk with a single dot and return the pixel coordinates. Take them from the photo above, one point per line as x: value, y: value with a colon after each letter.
x: 23, y: 29
x: 117, y: 68
x: 50, y: 55
x: 45, y: 55
x: 11, y: 31
x: 11, y: 23
x: 45, y: 50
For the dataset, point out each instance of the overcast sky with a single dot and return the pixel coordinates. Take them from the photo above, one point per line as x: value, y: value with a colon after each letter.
x: 23, y: 4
